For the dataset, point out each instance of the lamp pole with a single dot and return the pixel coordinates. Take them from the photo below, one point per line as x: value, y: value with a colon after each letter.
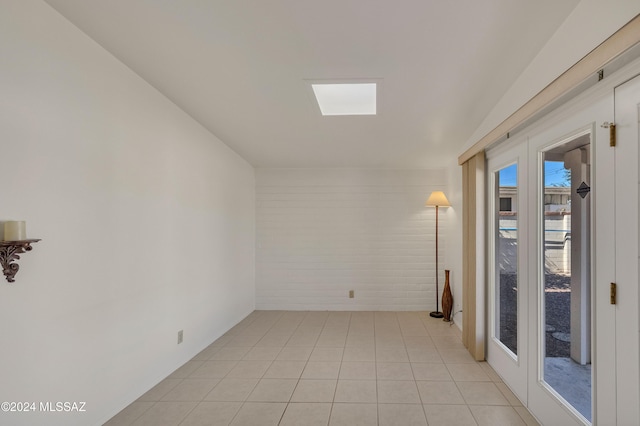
x: 437, y: 313
x: 437, y: 199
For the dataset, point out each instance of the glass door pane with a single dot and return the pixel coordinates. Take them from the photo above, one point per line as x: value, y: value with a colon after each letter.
x: 506, y: 257
x: 566, y: 287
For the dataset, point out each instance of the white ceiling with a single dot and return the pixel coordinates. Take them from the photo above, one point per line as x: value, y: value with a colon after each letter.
x: 242, y: 69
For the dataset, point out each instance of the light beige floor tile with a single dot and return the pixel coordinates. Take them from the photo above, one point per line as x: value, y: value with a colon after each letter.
x: 339, y: 317
x: 314, y: 319
x: 127, y: 416
x: 262, y: 353
x: 165, y: 413
x: 481, y: 393
x: 414, y: 331
x: 394, y: 371
x: 360, y: 340
x: 448, y: 342
x: 230, y: 390
x: 212, y: 414
x: 314, y: 391
x: 326, y: 354
x: 354, y: 415
x: 332, y: 341
x: 441, y: 328
x: 301, y: 339
x: 337, y: 326
x: 356, y: 391
x: 456, y: 356
x: 358, y: 371
x: 401, y: 415
x: 186, y: 369
x: 359, y: 354
x: 161, y: 389
x: 361, y: 322
x: 234, y: 353
x: 249, y: 369
x: 467, y: 372
x: 491, y: 416
x: 430, y: 371
x: 283, y: 329
x: 221, y: 341
x: 363, y: 327
x: 490, y: 372
x: 285, y: 370
x: 259, y: 413
x: 526, y: 416
x: 395, y: 341
x: 432, y: 392
x: 249, y: 340
x: 458, y: 415
x: 213, y: 370
x: 314, y: 359
x: 321, y: 370
x: 273, y: 390
x: 387, y: 334
x: 423, y: 354
x: 191, y: 390
x: 234, y: 331
x: 309, y: 328
x: 419, y: 341
x: 306, y: 414
x: 391, y: 354
x: 387, y: 326
x: 274, y: 340
x: 510, y: 396
x: 207, y: 352
x: 294, y: 354
x: 386, y: 322
x: 397, y: 391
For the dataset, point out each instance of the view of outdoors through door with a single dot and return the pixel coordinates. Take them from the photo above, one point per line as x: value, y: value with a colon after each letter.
x: 567, y: 279
x: 506, y: 256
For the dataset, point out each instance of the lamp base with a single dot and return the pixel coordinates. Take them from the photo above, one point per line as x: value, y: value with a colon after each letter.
x: 436, y: 314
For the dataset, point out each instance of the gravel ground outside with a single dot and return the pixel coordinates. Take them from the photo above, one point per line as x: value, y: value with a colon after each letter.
x: 557, y: 309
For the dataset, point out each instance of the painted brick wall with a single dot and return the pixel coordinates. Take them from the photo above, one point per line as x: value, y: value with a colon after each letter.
x: 323, y: 232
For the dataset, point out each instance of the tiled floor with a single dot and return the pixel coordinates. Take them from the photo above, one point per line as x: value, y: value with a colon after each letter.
x: 331, y: 368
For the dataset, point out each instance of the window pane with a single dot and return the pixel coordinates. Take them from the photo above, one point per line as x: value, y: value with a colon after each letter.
x: 567, y: 281
x: 506, y: 257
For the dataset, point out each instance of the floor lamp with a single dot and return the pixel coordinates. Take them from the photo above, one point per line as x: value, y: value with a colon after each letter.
x: 437, y: 199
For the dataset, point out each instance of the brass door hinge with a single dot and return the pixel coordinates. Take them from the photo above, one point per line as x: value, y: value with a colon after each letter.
x: 612, y: 132
x: 612, y: 294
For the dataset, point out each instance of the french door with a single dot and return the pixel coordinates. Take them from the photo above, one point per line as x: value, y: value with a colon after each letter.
x: 562, y: 232
x: 508, y: 267
x: 562, y: 187
x: 626, y: 163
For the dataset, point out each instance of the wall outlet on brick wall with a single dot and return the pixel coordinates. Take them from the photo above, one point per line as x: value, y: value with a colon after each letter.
x: 351, y: 294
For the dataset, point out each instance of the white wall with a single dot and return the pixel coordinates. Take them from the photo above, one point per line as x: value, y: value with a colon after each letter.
x: 146, y: 219
x: 323, y: 232
x: 590, y: 23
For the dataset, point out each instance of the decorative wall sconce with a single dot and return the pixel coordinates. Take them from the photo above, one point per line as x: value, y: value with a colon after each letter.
x: 15, y: 243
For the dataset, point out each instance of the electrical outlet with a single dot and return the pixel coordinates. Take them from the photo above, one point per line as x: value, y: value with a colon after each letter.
x: 351, y: 294
x: 180, y: 336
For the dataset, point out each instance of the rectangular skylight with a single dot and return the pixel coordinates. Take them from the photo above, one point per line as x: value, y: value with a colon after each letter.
x: 346, y: 98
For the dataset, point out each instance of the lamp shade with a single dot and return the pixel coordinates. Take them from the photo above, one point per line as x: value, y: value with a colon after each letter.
x: 437, y: 199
